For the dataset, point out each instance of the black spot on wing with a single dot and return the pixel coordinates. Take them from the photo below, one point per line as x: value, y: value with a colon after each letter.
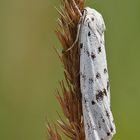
x: 81, y: 45
x: 111, y: 129
x: 88, y: 25
x: 98, y: 75
x: 105, y: 70
x: 107, y: 114
x: 82, y: 12
x: 108, y: 134
x: 93, y: 56
x: 99, y: 95
x: 107, y: 85
x: 99, y: 49
x: 99, y: 125
x: 103, y: 120
x: 104, y: 90
x: 93, y: 102
x: 89, y: 34
x: 85, y: 100
x: 102, y: 139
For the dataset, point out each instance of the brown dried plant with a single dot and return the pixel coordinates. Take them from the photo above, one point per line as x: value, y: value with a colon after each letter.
x: 70, y: 100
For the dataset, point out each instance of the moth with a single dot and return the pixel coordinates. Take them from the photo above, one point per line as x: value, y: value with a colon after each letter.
x: 94, y: 79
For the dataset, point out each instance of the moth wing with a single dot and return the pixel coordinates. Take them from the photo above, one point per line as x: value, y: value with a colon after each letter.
x: 98, y: 119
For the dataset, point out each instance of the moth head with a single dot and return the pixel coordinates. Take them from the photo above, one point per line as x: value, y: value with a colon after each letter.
x: 95, y: 20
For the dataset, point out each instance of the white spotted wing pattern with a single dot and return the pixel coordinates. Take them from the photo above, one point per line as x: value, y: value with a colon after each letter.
x: 94, y: 79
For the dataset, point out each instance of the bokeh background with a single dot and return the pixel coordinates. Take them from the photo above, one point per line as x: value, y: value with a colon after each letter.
x: 30, y: 69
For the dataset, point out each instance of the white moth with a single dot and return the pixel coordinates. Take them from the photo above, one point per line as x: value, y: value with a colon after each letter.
x: 94, y: 79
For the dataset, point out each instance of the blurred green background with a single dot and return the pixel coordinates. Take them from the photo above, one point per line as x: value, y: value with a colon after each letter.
x: 30, y: 69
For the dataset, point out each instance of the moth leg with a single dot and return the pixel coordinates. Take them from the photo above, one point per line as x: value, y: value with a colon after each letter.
x: 79, y: 26
x: 76, y: 40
